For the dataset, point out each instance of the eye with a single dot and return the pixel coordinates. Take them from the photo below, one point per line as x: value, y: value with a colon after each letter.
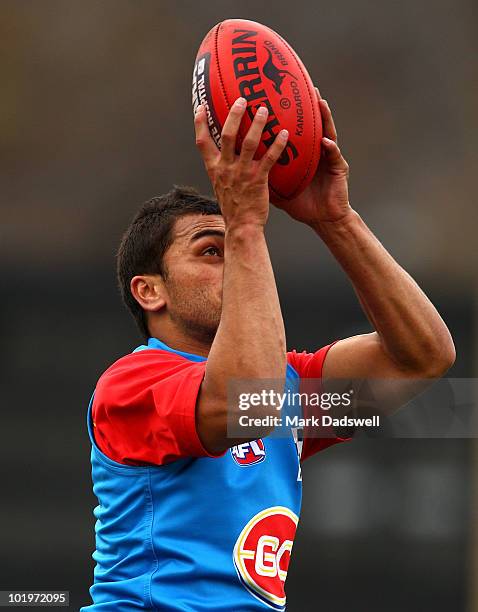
x: 212, y: 250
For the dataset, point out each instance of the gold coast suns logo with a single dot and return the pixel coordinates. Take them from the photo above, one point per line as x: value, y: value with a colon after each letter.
x: 262, y: 554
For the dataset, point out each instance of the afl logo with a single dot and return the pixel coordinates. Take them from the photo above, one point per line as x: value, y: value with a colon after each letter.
x: 249, y: 453
x: 262, y: 554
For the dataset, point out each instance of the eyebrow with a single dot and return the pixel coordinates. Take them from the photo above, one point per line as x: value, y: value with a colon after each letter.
x: 206, y: 232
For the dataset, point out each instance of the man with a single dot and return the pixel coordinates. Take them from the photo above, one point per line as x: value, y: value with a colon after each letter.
x: 188, y: 518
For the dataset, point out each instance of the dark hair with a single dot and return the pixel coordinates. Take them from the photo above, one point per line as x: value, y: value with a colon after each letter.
x: 148, y: 237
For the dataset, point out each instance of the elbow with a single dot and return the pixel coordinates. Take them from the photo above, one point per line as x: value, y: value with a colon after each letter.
x: 447, y: 358
x: 438, y: 359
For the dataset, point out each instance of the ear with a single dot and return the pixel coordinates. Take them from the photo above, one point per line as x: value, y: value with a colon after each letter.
x: 149, y: 291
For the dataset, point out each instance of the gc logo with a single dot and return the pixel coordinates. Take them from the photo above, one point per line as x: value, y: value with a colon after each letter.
x: 262, y: 554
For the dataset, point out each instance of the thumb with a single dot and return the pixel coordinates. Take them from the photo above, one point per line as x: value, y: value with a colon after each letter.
x: 334, y: 157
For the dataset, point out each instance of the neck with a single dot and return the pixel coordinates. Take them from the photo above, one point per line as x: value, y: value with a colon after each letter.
x: 181, y: 341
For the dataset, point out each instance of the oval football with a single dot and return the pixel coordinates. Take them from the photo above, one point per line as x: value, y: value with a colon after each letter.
x: 244, y: 58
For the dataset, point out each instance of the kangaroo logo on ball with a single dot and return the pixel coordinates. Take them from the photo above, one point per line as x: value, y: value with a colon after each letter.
x: 274, y: 74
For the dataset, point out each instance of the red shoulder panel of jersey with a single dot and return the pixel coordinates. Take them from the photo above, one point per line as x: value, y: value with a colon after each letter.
x: 310, y: 365
x: 144, y: 408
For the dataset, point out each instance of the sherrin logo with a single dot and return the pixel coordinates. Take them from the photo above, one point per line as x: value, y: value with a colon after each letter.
x: 249, y: 453
x: 262, y: 554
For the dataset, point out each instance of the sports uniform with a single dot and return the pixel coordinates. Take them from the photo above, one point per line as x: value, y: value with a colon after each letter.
x: 177, y: 528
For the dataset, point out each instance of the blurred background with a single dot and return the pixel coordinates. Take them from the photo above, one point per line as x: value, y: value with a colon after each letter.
x: 95, y: 118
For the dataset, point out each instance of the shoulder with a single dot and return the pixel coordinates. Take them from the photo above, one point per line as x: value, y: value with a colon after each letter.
x: 144, y: 408
x: 138, y: 371
x: 144, y: 359
x: 148, y: 362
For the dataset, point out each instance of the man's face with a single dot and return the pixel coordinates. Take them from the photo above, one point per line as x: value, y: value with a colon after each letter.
x: 194, y: 265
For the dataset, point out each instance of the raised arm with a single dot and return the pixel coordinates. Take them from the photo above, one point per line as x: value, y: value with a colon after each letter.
x: 250, y: 341
x: 410, y: 341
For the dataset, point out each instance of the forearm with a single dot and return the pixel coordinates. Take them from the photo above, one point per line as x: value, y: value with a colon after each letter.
x: 250, y: 341
x: 412, y: 332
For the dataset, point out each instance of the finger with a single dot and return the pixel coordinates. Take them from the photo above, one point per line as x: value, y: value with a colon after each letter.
x: 334, y: 157
x: 273, y: 153
x: 327, y: 121
x: 204, y: 141
x: 230, y: 129
x: 318, y: 93
x: 253, y: 136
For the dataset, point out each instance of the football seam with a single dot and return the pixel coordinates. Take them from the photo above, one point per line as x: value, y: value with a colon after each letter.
x: 304, y: 178
x: 223, y: 89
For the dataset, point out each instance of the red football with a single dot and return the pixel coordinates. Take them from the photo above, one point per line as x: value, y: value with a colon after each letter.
x: 244, y: 58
